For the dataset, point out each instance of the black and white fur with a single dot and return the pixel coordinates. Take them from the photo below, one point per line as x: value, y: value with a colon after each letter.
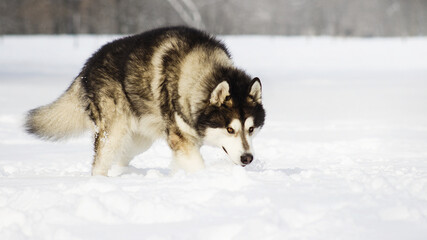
x: 175, y: 83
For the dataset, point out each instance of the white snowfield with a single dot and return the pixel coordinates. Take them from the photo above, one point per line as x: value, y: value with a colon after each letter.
x: 342, y: 155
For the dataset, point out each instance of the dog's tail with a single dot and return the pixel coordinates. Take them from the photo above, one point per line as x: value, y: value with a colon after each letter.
x: 65, y: 117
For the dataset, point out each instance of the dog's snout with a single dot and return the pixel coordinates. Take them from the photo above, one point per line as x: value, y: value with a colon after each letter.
x: 246, y: 158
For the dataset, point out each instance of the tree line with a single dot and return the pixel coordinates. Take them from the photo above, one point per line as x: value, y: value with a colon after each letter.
x: 365, y: 18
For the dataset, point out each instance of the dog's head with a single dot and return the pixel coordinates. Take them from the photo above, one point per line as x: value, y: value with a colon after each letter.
x: 234, y: 116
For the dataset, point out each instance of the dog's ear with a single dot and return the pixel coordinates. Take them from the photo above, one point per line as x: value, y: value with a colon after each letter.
x: 220, y: 93
x: 255, y: 90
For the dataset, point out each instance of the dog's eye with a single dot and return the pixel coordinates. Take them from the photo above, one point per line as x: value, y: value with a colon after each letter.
x: 251, y: 129
x: 230, y: 130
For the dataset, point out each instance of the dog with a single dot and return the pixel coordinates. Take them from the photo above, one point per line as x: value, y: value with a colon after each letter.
x: 175, y: 83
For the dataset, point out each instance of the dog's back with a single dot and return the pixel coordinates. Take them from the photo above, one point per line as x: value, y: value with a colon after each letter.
x: 145, y: 75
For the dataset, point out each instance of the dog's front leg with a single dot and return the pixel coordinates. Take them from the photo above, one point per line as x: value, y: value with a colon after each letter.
x: 186, y: 153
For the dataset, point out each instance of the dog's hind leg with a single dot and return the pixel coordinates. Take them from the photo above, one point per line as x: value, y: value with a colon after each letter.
x: 110, y: 145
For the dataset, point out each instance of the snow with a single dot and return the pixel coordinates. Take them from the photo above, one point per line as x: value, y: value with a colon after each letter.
x: 343, y: 153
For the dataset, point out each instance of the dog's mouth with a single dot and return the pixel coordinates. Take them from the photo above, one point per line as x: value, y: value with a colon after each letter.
x: 225, y: 150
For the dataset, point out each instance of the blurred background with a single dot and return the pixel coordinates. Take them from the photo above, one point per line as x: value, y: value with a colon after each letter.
x: 362, y: 18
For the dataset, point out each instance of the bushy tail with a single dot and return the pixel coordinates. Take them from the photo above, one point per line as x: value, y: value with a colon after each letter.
x: 65, y: 117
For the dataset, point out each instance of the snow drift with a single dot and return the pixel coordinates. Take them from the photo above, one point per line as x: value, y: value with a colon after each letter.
x: 343, y: 154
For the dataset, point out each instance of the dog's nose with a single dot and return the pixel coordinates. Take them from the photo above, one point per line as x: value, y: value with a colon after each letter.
x: 246, y: 158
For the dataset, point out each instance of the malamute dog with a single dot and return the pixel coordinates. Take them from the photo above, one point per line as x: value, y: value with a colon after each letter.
x: 175, y: 83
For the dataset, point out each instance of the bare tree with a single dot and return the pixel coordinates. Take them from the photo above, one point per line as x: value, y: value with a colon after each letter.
x: 189, y: 12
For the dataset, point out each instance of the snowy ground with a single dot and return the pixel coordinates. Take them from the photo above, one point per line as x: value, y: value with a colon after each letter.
x: 343, y: 154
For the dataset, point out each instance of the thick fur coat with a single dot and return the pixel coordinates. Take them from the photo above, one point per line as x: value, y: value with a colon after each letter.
x: 176, y: 83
